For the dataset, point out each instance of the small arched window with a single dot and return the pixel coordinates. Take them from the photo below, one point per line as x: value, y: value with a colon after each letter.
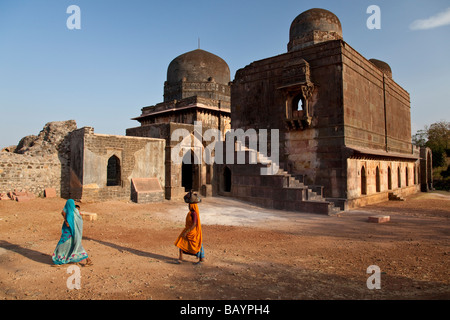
x: 113, y: 171
x: 298, y: 106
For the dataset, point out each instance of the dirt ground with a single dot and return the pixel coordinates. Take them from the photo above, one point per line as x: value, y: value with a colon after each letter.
x: 251, y: 253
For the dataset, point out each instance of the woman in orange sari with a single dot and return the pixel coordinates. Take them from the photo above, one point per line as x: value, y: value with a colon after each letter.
x: 190, y: 240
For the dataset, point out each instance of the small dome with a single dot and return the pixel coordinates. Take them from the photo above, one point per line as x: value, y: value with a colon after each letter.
x: 313, y: 26
x: 198, y: 66
x: 383, y: 66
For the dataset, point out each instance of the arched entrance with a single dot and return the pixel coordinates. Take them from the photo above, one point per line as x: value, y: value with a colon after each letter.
x: 377, y: 180
x: 190, y: 172
x: 429, y: 172
x: 389, y: 178
x: 406, y: 176
x: 363, y: 181
x: 227, y: 179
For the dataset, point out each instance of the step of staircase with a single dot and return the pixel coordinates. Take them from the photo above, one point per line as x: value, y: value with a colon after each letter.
x: 393, y: 196
x: 278, y: 190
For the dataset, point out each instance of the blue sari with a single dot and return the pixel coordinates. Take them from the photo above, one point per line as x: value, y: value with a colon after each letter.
x: 69, y: 248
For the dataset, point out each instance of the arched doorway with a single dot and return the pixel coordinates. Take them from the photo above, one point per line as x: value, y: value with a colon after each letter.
x: 389, y: 178
x: 190, y: 171
x: 406, y: 176
x: 399, y: 177
x: 429, y: 171
x: 227, y: 179
x: 113, y: 171
x: 377, y: 180
x: 363, y: 181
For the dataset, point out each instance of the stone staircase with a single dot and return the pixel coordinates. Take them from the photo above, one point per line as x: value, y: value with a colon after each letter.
x: 276, y: 189
x: 395, y: 196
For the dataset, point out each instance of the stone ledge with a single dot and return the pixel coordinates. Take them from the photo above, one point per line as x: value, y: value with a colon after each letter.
x: 379, y: 219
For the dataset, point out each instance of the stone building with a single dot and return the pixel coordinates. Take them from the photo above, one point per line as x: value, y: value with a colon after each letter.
x: 106, y: 167
x: 344, y: 123
x: 197, y: 90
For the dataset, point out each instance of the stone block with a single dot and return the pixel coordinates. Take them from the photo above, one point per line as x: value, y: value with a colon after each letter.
x: 379, y: 219
x: 50, y: 192
x: 88, y: 216
x: 4, y: 196
x: 146, y: 190
x: 25, y: 197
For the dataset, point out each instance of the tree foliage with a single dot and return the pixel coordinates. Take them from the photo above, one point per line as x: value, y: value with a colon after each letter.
x: 437, y: 138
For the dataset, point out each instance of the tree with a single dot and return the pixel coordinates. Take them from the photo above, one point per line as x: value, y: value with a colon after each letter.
x: 437, y: 138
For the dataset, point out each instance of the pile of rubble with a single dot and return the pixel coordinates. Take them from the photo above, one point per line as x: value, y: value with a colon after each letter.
x: 24, y: 195
x: 51, y: 139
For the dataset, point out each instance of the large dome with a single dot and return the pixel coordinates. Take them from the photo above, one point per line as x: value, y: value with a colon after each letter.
x: 313, y: 26
x: 198, y: 66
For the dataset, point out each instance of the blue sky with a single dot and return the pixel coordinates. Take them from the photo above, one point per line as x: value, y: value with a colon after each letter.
x: 104, y: 73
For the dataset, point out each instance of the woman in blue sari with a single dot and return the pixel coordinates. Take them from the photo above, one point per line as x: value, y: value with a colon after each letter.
x: 69, y: 248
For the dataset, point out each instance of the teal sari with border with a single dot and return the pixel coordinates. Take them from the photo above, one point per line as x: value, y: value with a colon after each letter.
x: 69, y: 248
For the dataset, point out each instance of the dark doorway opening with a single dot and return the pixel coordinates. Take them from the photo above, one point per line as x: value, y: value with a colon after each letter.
x: 363, y: 181
x: 190, y: 172
x: 113, y: 172
x: 389, y: 178
x: 227, y: 179
x: 377, y: 180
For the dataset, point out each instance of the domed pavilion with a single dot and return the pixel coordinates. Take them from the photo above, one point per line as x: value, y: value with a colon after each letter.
x: 196, y: 97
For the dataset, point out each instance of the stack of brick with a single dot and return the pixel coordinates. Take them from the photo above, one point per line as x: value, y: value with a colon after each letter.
x: 4, y: 196
x: 19, y: 196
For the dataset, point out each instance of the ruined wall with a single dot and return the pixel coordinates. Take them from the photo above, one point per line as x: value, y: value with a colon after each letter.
x: 31, y: 173
x: 202, y: 172
x: 39, y: 161
x: 137, y: 158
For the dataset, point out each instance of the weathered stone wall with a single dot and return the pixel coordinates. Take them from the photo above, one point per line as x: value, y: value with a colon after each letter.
x: 201, y: 171
x: 31, y: 173
x: 376, y: 109
x: 39, y: 161
x: 138, y: 158
x: 402, y: 174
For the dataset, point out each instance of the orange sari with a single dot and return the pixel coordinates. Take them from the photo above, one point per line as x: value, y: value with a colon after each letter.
x: 192, y: 243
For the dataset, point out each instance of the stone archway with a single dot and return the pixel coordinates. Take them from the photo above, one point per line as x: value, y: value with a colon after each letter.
x: 190, y: 172
x: 227, y: 179
x: 363, y: 181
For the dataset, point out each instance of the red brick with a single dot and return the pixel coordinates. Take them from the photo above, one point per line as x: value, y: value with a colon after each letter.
x: 50, y: 192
